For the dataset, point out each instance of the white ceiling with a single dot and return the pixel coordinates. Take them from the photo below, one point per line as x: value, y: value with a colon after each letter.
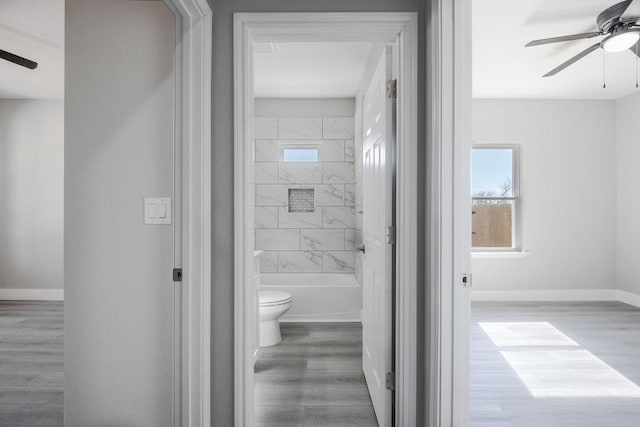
x: 309, y: 70
x: 504, y: 68
x: 33, y: 29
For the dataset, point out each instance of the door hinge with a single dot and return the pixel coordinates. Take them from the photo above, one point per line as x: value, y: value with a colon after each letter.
x: 177, y: 275
x: 390, y: 380
x: 392, y: 88
x: 391, y: 235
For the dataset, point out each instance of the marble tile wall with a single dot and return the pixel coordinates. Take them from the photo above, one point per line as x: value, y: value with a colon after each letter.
x: 322, y: 241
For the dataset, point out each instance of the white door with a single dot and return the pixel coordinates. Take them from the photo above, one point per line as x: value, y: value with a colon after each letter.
x: 119, y: 149
x: 377, y: 116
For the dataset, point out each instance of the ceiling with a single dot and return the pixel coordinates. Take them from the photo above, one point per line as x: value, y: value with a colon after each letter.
x: 504, y: 68
x: 309, y: 70
x: 33, y: 29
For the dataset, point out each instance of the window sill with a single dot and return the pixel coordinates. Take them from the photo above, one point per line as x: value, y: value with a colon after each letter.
x: 499, y: 255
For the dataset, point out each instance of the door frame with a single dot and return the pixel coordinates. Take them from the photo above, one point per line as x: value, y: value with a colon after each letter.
x: 192, y: 148
x: 398, y: 27
x: 448, y: 213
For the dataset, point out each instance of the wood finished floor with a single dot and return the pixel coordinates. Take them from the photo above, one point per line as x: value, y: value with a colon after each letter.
x: 31, y: 363
x: 313, y: 378
x: 608, y: 331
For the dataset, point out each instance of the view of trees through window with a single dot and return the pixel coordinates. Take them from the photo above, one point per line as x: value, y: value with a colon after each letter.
x: 494, y: 197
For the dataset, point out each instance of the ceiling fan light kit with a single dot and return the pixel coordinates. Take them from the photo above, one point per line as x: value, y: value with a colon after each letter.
x: 620, y: 24
x: 620, y: 41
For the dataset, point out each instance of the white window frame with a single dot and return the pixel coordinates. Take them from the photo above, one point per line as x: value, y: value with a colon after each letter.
x: 516, y: 232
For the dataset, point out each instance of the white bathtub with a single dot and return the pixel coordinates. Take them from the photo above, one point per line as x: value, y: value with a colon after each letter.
x: 318, y: 297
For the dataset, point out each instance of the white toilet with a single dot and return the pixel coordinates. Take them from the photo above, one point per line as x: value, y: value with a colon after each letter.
x: 273, y: 304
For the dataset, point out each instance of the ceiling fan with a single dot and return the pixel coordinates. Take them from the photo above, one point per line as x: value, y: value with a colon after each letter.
x: 620, y: 24
x: 19, y: 60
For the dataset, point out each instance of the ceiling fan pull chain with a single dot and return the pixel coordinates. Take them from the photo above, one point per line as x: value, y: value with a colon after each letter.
x: 637, y: 64
x: 604, y: 69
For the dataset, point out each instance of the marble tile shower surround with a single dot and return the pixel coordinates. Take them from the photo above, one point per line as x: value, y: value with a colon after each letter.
x: 322, y: 241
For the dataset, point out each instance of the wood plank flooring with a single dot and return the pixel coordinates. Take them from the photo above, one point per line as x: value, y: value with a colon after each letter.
x: 551, y: 382
x: 313, y: 378
x: 31, y: 363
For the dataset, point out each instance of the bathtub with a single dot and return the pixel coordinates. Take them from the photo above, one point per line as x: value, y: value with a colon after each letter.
x: 318, y: 297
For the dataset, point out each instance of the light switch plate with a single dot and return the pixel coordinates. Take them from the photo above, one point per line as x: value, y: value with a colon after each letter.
x: 157, y: 210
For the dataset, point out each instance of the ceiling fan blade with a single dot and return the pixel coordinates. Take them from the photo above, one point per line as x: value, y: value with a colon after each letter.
x: 632, y: 12
x: 564, y: 38
x: 19, y: 60
x: 576, y: 58
x: 635, y: 49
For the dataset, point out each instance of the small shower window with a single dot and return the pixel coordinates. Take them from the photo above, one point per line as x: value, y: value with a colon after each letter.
x: 300, y: 154
x: 301, y: 200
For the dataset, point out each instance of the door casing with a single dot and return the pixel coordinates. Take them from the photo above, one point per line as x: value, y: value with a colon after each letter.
x: 448, y: 213
x: 401, y: 29
x: 192, y: 148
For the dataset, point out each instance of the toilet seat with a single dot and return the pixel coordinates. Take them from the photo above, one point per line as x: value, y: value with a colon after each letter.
x: 270, y: 298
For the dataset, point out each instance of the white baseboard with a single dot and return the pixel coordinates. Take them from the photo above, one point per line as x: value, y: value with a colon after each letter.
x: 547, y: 295
x: 32, y: 294
x: 629, y: 298
x: 558, y: 295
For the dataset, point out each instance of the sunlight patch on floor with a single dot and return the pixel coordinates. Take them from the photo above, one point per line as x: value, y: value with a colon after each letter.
x: 569, y: 373
x: 525, y: 334
x: 552, y: 372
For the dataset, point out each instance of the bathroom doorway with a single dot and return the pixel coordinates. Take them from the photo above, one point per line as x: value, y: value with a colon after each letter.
x: 317, y: 142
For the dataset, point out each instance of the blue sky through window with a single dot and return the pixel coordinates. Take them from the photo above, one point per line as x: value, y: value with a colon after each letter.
x: 300, y: 155
x: 491, y: 169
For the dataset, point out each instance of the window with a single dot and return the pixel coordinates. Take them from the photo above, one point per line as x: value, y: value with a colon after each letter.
x: 495, y: 196
x: 300, y: 154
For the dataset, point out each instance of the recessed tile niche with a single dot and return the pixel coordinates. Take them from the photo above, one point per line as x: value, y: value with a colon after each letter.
x: 301, y: 200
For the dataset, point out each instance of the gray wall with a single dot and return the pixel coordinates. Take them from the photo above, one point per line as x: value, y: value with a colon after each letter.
x: 118, y: 150
x: 567, y: 193
x: 222, y: 171
x: 628, y: 178
x: 31, y: 194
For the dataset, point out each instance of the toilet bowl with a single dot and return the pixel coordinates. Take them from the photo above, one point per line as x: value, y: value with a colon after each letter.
x: 273, y: 304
